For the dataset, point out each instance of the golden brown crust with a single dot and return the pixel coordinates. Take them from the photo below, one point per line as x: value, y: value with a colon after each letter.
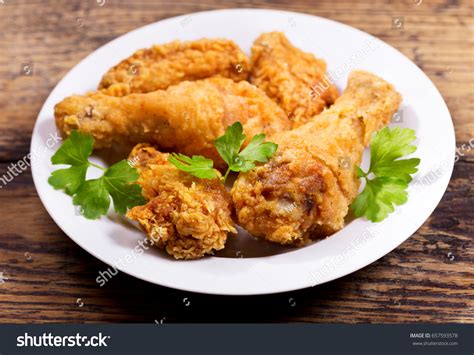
x: 186, y: 118
x: 161, y: 66
x: 296, y: 80
x: 186, y: 216
x: 305, y: 189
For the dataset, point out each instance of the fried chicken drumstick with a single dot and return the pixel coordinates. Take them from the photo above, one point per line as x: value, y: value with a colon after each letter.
x: 293, y: 78
x: 186, y: 118
x: 186, y: 216
x: 305, y: 189
x: 161, y: 66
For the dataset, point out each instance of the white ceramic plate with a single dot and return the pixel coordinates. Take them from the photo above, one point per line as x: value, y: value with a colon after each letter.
x: 247, y: 266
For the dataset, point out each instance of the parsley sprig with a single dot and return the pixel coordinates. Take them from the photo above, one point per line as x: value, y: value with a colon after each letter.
x: 93, y: 196
x: 197, y: 165
x: 228, y: 146
x: 388, y: 177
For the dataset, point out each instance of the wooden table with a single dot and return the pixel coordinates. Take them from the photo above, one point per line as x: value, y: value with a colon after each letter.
x: 48, y: 278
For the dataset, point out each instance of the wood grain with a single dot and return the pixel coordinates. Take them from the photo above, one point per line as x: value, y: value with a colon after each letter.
x: 429, y: 278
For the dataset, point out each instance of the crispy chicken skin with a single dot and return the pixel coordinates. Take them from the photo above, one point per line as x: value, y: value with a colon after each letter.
x: 186, y: 216
x: 306, y: 187
x: 186, y: 118
x: 161, y: 66
x: 293, y: 78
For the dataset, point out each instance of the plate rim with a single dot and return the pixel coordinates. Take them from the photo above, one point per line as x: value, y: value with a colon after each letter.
x: 335, y: 275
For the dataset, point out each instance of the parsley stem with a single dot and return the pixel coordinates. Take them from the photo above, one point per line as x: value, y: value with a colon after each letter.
x: 225, y: 175
x: 97, y: 166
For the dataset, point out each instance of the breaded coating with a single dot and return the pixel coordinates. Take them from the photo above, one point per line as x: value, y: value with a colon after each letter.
x: 161, y: 66
x: 305, y: 189
x: 185, y: 118
x: 186, y: 216
x: 296, y: 80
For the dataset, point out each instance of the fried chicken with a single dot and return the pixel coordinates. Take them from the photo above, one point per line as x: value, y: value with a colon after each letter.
x: 186, y: 216
x: 305, y: 189
x: 186, y: 118
x: 161, y: 66
x: 296, y: 80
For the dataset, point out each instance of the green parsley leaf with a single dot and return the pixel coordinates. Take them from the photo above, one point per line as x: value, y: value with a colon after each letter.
x: 75, y: 151
x: 398, y: 169
x: 68, y: 179
x: 378, y: 198
x: 229, y: 144
x: 119, y: 181
x: 388, y: 146
x: 93, y: 196
x: 256, y: 151
x: 392, y: 174
x: 197, y: 165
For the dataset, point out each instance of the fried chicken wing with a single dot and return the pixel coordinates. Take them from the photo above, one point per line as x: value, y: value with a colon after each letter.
x: 161, y: 66
x: 186, y: 216
x: 296, y: 80
x: 305, y: 189
x: 186, y: 118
